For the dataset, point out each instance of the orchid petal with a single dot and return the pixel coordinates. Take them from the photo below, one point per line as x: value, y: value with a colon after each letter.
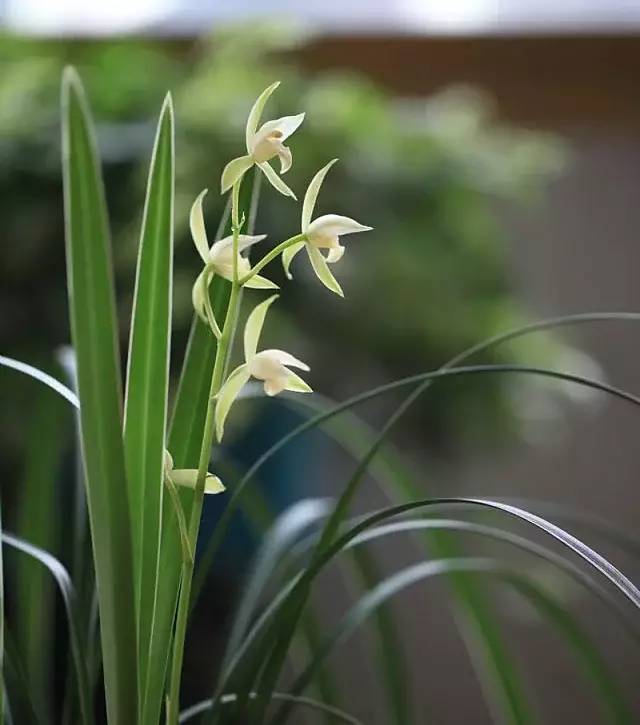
x: 311, y: 196
x: 286, y: 358
x: 244, y: 242
x: 202, y: 301
x: 288, y: 255
x: 227, y: 395
x: 322, y: 271
x: 334, y: 225
x: 253, y: 327
x: 256, y: 112
x: 197, y: 295
x: 258, y: 282
x: 285, y: 126
x: 296, y: 384
x: 233, y: 171
x: 273, y: 386
x: 284, y: 154
x: 275, y: 180
x: 198, y: 230
x: 188, y: 477
x: 335, y: 254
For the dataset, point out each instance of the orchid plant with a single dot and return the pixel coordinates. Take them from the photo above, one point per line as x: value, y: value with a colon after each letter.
x: 144, y: 543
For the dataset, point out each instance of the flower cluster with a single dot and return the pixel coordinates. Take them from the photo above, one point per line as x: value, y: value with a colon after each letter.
x: 228, y: 258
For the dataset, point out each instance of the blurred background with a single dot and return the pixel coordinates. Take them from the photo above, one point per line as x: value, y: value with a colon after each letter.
x: 494, y: 147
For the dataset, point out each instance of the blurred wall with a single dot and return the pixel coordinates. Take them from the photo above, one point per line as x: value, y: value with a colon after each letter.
x: 577, y: 250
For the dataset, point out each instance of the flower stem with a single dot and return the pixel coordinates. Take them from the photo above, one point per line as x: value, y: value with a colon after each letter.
x: 271, y: 255
x: 188, y: 564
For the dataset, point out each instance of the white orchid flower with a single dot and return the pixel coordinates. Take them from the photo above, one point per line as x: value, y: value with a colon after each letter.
x: 270, y: 366
x: 188, y: 476
x: 264, y: 144
x: 321, y: 233
x: 218, y: 259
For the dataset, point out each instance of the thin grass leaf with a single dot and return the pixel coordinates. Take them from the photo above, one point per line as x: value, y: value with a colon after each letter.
x: 621, y: 538
x: 42, y: 377
x: 577, y: 638
x: 148, y: 381
x: 93, y: 326
x: 334, y: 713
x: 530, y: 547
x: 61, y: 577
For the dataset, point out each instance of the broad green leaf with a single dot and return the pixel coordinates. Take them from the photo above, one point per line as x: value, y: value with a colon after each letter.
x: 148, y: 379
x: 93, y: 328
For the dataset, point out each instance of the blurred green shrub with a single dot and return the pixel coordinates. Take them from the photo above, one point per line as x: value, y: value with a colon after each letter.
x: 431, y: 280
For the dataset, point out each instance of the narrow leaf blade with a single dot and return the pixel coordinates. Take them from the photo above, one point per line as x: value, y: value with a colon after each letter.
x: 93, y: 326
x: 148, y: 378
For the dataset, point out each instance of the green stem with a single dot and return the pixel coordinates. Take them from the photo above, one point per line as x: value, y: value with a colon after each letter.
x: 272, y: 255
x: 182, y: 615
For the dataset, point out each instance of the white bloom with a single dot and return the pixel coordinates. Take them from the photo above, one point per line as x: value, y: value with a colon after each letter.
x: 218, y: 259
x: 264, y: 144
x: 188, y: 476
x: 270, y: 366
x: 321, y: 233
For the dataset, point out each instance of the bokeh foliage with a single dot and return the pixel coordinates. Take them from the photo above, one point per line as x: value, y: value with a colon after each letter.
x: 427, y: 174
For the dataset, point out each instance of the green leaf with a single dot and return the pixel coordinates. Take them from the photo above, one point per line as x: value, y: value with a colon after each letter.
x: 148, y: 379
x: 93, y: 327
